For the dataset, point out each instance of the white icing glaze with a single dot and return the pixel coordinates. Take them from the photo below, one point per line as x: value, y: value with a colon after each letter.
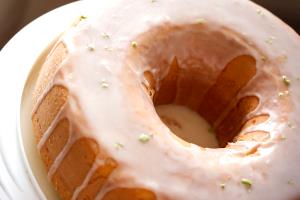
x: 122, y: 111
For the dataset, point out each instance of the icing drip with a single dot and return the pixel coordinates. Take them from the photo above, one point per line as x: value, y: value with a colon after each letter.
x: 88, y: 177
x: 41, y: 97
x: 55, y: 165
x: 50, y: 129
x: 108, y: 186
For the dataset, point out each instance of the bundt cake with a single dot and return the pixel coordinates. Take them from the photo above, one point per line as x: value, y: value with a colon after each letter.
x: 231, y: 61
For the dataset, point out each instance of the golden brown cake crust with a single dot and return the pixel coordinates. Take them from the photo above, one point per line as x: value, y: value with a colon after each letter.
x: 47, y: 73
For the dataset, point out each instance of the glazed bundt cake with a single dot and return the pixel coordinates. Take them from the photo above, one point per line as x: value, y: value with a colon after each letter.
x: 232, y: 62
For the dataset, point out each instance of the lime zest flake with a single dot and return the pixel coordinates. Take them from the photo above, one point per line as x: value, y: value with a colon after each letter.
x: 200, y: 20
x: 290, y: 125
x: 83, y: 17
x: 105, y: 36
x: 290, y: 182
x: 104, y: 84
x: 270, y: 40
x: 144, y: 138
x: 134, y: 44
x: 91, y: 47
x: 118, y: 145
x: 259, y: 12
x: 283, y: 94
x: 282, y: 137
x: 286, y: 81
x: 247, y: 183
x: 223, y: 186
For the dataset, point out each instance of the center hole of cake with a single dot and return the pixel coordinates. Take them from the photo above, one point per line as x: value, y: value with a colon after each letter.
x: 199, y: 77
x: 187, y: 125
x: 189, y: 102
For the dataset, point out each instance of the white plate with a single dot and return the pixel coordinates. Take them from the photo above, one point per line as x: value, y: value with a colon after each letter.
x: 20, y: 176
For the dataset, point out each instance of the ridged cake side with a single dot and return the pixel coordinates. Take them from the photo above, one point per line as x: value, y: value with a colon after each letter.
x: 68, y: 174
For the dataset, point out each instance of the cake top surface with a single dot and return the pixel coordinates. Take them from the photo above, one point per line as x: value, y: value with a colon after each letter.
x: 103, y: 74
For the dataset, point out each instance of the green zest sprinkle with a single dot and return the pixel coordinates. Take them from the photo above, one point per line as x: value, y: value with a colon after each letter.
x: 280, y: 94
x: 104, y: 84
x: 247, y: 183
x: 200, y: 21
x: 282, y: 137
x: 153, y: 1
x: 285, y: 93
x: 286, y: 81
x: 82, y: 17
x: 144, y: 138
x: 91, y: 47
x: 223, y: 186
x: 119, y: 146
x: 290, y: 125
x: 259, y: 11
x: 134, y: 44
x: 290, y: 182
x: 105, y: 35
x: 270, y: 40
